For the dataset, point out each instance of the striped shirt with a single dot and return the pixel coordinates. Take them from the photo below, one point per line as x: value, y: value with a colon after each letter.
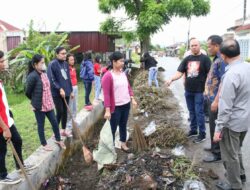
x: 47, y: 101
x: 4, y: 108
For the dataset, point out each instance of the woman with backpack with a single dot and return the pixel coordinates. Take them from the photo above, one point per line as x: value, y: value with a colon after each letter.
x: 117, y: 98
x: 39, y: 92
x: 87, y: 75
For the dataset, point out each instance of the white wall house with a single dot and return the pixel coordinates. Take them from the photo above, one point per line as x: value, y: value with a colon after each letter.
x: 242, y: 35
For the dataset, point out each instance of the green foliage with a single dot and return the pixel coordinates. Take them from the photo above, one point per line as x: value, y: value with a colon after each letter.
x: 135, y: 57
x: 182, y: 51
x: 156, y: 47
x: 36, y: 43
x: 204, y: 46
x: 150, y: 15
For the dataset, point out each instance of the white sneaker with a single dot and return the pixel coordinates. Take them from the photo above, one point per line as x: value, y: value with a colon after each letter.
x: 10, y: 180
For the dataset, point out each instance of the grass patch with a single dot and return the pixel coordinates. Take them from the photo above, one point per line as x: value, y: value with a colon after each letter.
x: 26, y: 123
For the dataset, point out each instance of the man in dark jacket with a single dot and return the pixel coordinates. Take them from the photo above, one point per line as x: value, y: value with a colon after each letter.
x: 61, y: 87
x: 150, y: 64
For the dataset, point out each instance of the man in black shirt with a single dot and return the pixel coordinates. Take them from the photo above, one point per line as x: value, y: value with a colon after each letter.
x: 195, y: 67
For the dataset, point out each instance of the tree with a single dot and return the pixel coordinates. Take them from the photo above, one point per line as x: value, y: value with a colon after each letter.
x: 149, y: 15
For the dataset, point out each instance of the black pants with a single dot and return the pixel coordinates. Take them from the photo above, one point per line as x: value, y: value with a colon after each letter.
x: 88, y: 88
x: 212, y: 118
x: 120, y: 117
x: 206, y: 105
x: 17, y: 142
x: 61, y: 110
x: 40, y: 118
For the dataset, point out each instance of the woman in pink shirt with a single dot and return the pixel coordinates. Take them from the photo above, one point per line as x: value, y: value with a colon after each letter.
x: 117, y: 97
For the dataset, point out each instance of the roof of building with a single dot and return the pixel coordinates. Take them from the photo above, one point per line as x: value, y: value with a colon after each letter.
x: 242, y: 28
x: 4, y: 26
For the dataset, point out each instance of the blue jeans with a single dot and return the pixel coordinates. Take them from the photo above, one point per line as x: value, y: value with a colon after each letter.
x: 152, y: 76
x: 120, y: 117
x: 87, y: 87
x: 40, y: 118
x: 97, y: 86
x: 73, y: 107
x: 195, y: 105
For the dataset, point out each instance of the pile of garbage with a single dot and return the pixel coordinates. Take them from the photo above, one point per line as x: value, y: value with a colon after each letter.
x: 167, y: 137
x: 151, y: 170
x: 160, y: 109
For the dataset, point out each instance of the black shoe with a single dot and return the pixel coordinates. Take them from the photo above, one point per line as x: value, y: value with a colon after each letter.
x: 199, y: 139
x: 192, y: 134
x: 211, y: 159
x: 207, y: 149
x: 243, y: 178
x: 10, y: 180
x: 206, y: 119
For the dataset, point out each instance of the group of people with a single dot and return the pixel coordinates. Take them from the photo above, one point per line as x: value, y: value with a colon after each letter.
x: 56, y: 87
x: 226, y: 85
x: 224, y: 82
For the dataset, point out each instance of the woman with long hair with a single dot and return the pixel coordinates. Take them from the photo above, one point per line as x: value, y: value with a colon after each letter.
x: 39, y: 92
x: 118, y: 96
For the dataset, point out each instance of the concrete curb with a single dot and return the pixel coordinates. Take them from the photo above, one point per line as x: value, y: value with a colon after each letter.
x: 49, y: 162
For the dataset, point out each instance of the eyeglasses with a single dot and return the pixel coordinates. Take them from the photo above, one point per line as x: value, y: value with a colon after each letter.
x: 64, y: 53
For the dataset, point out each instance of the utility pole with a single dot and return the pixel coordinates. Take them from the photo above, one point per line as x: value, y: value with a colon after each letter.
x: 245, y: 10
x: 188, y: 34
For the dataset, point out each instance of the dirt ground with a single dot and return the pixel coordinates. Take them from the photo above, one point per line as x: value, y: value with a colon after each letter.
x: 155, y: 168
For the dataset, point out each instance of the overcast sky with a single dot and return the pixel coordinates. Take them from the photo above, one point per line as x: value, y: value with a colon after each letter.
x: 83, y: 15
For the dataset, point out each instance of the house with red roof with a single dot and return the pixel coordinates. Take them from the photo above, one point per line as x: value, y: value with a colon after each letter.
x: 10, y: 36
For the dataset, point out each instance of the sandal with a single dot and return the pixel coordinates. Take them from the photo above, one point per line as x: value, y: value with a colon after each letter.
x: 61, y: 144
x: 47, y: 148
x: 125, y: 150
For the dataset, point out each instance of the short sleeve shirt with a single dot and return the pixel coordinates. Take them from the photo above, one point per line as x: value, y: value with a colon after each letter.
x: 196, y: 69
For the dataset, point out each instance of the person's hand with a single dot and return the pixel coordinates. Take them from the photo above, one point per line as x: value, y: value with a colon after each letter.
x: 32, y: 108
x: 7, y: 134
x: 214, y: 106
x: 168, y: 82
x: 134, y: 103
x: 107, y: 115
x: 62, y: 93
x: 72, y: 95
x: 217, y: 136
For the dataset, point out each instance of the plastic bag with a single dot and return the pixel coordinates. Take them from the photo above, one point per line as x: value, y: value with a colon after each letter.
x: 150, y: 129
x: 193, y: 185
x: 106, y: 151
x: 179, y: 150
